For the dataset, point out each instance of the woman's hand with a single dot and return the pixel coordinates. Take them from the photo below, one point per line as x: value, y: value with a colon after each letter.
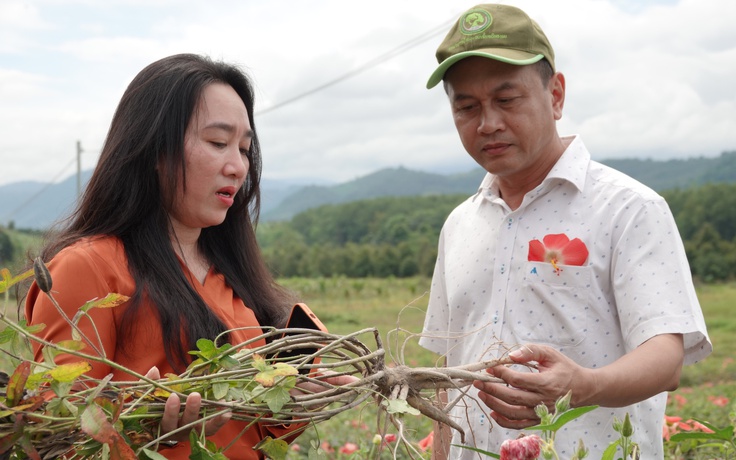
x: 172, y: 420
x: 330, y: 378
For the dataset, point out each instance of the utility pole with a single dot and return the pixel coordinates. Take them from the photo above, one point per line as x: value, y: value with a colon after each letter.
x: 79, y: 169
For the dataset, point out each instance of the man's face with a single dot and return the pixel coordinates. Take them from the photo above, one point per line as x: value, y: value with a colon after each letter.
x: 505, y: 116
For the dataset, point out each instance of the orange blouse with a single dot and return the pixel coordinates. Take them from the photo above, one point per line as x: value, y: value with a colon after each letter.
x: 95, y: 267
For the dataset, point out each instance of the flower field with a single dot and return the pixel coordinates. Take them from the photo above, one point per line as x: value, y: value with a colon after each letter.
x: 707, y: 391
x: 701, y: 414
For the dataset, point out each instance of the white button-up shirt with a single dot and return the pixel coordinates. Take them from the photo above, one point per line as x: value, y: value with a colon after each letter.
x: 487, y: 297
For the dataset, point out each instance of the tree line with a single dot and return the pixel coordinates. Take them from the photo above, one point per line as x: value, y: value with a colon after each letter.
x: 397, y: 236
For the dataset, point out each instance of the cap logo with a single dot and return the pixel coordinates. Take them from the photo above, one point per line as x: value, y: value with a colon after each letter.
x: 475, y: 21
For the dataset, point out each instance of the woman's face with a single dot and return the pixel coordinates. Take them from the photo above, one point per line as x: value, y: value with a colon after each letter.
x: 216, y: 144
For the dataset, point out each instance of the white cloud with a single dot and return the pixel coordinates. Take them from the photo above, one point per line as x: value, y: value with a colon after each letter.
x: 650, y: 78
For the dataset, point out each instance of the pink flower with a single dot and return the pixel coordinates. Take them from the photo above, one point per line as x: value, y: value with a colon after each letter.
x: 700, y: 427
x: 326, y: 447
x: 390, y: 437
x: 295, y: 447
x: 680, y: 400
x: 523, y: 448
x: 427, y: 442
x: 348, y: 448
x: 358, y: 424
x: 673, y: 425
x: 720, y: 401
x: 558, y: 249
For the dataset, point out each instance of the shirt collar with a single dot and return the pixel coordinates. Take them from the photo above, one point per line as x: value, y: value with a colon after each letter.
x: 573, y: 164
x: 571, y: 167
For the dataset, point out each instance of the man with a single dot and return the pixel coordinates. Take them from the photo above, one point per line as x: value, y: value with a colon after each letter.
x: 557, y: 259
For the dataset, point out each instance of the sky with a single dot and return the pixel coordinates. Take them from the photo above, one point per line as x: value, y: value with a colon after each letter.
x: 340, y: 85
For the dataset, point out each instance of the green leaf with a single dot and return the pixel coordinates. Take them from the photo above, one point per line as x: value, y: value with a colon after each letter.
x: 61, y: 388
x: 109, y: 301
x: 7, y: 335
x: 9, y: 441
x: 27, y: 446
x: 5, y: 282
x: 399, y: 406
x: 480, y: 451
x: 206, y: 346
x: 29, y: 404
x: 8, y: 280
x: 275, y: 449
x: 37, y: 379
x: 69, y: 407
x: 33, y: 329
x: 220, y: 389
x: 259, y: 363
x: 94, y: 423
x: 238, y: 394
x: 62, y: 407
x: 49, y: 353
x: 276, y: 398
x: 151, y: 455
x: 208, y: 352
x: 208, y: 451
x: 316, y: 452
x: 17, y: 383
x: 75, y: 345
x: 564, y: 418
x: 267, y: 377
x: 721, y: 435
x: 228, y: 362
x: 611, y: 450
x: 69, y: 372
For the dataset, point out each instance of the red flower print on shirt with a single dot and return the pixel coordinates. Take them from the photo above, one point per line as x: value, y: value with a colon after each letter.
x: 557, y: 249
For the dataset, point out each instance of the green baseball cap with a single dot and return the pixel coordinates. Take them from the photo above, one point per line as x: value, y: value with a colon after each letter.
x: 501, y: 32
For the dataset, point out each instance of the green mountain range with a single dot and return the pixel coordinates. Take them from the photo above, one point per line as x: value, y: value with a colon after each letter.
x: 37, y: 205
x: 659, y: 175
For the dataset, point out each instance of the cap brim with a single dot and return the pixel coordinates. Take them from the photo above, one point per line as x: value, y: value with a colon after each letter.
x: 506, y: 55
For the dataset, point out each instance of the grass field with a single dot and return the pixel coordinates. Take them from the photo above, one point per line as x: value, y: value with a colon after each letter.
x: 707, y: 389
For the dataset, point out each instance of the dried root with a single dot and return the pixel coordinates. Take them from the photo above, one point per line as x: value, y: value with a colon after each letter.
x: 404, y: 383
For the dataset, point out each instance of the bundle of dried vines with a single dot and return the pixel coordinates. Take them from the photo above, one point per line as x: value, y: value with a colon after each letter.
x: 47, y: 411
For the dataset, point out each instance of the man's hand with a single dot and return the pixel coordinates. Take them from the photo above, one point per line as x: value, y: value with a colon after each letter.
x: 513, y: 403
x: 654, y: 366
x: 171, y: 419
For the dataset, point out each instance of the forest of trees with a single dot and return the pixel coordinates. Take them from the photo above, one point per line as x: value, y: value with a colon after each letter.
x: 397, y: 236
x: 393, y: 236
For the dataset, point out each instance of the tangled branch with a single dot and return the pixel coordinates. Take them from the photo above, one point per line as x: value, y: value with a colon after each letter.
x: 49, y: 410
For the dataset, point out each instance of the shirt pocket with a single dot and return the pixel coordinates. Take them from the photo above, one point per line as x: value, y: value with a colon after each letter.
x: 555, y: 304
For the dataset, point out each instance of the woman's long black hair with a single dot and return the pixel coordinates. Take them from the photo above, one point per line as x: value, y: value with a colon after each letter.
x: 126, y: 198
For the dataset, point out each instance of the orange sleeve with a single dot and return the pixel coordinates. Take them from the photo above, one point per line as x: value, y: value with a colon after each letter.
x: 76, y: 279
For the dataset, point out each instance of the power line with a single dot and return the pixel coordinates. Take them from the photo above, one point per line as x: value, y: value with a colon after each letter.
x: 43, y: 189
x: 368, y: 65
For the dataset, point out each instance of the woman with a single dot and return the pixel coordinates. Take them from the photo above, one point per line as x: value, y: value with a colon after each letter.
x: 168, y: 219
